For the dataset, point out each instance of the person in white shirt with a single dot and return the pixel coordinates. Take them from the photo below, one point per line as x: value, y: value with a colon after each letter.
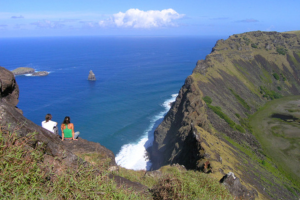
x: 49, y: 125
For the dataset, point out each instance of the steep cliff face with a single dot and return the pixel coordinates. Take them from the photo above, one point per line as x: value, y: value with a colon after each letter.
x: 207, y: 127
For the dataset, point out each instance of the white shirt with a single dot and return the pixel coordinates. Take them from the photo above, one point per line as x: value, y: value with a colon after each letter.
x: 49, y: 125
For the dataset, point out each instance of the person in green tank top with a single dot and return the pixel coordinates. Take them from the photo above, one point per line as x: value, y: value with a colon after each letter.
x: 67, y: 130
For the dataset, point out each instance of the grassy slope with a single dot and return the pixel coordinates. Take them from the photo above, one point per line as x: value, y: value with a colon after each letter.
x: 24, y: 175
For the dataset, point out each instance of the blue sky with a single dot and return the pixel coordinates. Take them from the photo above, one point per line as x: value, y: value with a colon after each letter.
x: 20, y: 18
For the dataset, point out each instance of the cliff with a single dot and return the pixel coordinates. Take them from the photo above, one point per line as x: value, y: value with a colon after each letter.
x: 208, y: 129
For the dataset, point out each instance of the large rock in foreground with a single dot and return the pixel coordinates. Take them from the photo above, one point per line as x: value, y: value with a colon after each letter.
x: 9, y: 89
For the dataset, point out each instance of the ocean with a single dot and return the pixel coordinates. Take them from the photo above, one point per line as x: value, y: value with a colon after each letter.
x: 137, y: 79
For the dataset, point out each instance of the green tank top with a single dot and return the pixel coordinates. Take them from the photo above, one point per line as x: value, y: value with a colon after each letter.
x: 68, y: 132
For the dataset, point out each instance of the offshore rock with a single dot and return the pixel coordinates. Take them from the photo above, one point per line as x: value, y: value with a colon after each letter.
x: 23, y: 70
x: 91, y: 76
x: 42, y: 73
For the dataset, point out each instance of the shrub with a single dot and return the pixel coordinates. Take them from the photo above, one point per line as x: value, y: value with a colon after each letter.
x: 278, y: 88
x: 240, y: 100
x: 276, y: 76
x: 283, y: 77
x: 247, y: 40
x: 237, y: 115
x: 222, y: 115
x: 240, y: 129
x: 253, y: 45
x: 269, y: 94
x: 281, y: 50
x: 245, y: 123
x: 207, y: 100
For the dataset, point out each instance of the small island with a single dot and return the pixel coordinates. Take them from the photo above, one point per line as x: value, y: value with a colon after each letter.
x: 28, y: 70
x: 23, y: 70
x: 91, y: 76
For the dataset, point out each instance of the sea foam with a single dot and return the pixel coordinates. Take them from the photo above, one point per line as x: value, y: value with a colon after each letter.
x: 134, y: 155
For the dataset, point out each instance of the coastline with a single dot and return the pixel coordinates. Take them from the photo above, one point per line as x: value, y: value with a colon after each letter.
x: 134, y: 155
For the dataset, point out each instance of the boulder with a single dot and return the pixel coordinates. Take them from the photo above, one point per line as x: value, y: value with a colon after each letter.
x: 91, y: 76
x: 23, y: 70
x: 9, y: 89
x: 233, y: 184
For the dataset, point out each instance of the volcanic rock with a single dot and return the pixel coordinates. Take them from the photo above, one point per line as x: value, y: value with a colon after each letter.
x: 9, y: 89
x: 23, y: 70
x: 42, y: 73
x: 91, y: 76
x: 233, y: 184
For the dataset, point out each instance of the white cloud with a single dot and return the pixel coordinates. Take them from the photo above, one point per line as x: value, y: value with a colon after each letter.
x: 136, y: 18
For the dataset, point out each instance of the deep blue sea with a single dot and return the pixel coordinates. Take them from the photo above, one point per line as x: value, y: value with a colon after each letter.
x: 137, y: 78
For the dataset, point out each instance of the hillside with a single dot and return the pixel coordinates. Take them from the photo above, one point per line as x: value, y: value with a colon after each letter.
x: 210, y: 126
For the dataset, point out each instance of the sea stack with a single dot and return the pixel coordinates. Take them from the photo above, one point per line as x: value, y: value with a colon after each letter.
x: 91, y: 76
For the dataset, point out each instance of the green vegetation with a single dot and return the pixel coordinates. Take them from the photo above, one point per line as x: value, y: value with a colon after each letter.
x: 253, y: 45
x: 269, y: 94
x: 222, y: 115
x: 276, y: 76
x: 237, y: 115
x: 247, y: 40
x: 245, y: 123
x: 278, y: 88
x: 24, y: 176
x: 174, y: 183
x: 207, y: 100
x: 240, y: 100
x: 273, y: 133
x: 282, y: 76
x: 281, y: 50
x: 218, y: 111
x: 240, y: 128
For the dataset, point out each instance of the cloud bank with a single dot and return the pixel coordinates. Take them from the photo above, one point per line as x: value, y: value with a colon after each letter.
x: 248, y: 21
x: 135, y: 18
x: 17, y: 17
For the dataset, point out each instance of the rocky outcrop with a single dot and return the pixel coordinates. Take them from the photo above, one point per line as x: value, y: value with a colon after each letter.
x: 23, y: 70
x: 208, y: 122
x: 28, y: 70
x: 9, y: 89
x: 42, y: 73
x: 233, y: 184
x: 91, y: 76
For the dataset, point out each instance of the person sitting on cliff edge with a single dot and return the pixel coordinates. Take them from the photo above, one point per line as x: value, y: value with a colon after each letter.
x: 67, y: 130
x: 49, y: 124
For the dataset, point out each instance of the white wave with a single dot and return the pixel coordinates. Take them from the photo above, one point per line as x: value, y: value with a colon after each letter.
x: 133, y: 155
x: 49, y: 72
